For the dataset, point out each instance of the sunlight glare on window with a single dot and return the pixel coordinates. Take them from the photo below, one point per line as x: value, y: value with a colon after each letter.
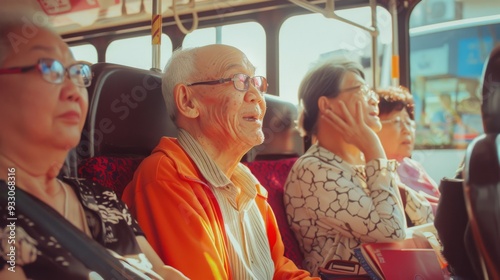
x: 249, y: 37
x: 85, y: 52
x: 306, y: 38
x: 137, y: 51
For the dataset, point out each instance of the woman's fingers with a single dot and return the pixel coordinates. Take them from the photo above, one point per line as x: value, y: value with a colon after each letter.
x: 347, y: 114
x: 359, y: 113
x: 343, y: 119
x: 351, y: 125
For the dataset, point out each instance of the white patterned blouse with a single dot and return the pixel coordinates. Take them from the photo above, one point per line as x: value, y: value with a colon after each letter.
x: 333, y: 206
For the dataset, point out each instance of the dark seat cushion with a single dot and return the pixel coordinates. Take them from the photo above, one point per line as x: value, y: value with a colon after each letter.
x: 482, y: 197
x: 127, y: 113
x: 272, y: 175
x: 452, y: 225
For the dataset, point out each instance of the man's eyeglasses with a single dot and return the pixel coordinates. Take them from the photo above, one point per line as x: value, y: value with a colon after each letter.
x: 54, y: 72
x: 241, y: 82
x: 367, y: 92
x: 398, y: 123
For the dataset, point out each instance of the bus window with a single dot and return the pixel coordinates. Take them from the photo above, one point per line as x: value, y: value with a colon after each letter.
x: 304, y: 39
x: 448, y: 48
x: 249, y: 37
x: 446, y: 63
x: 124, y: 51
x: 85, y: 52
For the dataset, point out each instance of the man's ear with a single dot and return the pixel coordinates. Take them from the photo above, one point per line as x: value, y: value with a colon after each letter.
x: 184, y: 101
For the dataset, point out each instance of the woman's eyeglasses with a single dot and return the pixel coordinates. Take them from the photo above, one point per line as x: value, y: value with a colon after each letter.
x: 398, y: 123
x: 54, y: 72
x: 366, y: 90
x: 241, y: 82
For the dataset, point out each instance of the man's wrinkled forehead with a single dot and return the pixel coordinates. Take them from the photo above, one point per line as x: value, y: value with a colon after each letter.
x: 219, y: 59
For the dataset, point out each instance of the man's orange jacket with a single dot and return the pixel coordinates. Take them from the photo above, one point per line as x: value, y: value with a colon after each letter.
x: 182, y: 220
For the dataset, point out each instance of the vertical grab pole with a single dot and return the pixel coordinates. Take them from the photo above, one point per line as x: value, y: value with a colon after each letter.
x: 375, y: 63
x: 156, y: 22
x: 395, y: 47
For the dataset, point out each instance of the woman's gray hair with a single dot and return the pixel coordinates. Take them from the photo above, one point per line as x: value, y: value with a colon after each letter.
x: 323, y: 80
x: 181, y: 68
x: 19, y: 22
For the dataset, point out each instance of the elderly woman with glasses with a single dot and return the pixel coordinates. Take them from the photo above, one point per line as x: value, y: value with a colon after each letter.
x: 43, y: 108
x: 343, y: 191
x: 398, y: 139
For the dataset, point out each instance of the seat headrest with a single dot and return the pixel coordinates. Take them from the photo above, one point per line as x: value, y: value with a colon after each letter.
x: 127, y: 114
x: 282, y: 139
x: 127, y: 117
x: 490, y: 107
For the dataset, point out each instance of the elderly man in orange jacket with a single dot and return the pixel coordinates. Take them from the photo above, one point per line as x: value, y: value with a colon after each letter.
x: 201, y: 209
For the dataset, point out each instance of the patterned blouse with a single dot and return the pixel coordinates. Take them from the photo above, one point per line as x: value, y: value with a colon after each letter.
x: 42, y: 257
x: 333, y: 206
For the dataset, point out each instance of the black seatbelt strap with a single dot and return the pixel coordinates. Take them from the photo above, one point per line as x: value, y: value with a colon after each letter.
x: 94, y: 256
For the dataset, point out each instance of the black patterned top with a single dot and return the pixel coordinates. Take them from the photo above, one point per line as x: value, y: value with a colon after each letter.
x: 333, y: 206
x: 42, y: 257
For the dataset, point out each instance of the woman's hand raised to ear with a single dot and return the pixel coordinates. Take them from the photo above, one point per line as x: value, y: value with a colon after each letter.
x: 354, y: 130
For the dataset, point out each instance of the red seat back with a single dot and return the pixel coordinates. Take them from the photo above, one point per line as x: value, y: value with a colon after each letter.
x: 272, y: 175
x: 111, y: 172
x: 127, y: 117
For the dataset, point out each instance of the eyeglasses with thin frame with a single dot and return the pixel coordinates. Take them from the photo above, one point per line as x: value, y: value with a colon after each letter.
x: 398, y: 123
x: 54, y: 72
x: 241, y: 82
x: 366, y: 90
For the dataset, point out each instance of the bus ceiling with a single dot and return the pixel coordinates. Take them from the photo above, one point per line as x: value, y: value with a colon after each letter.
x: 77, y: 19
x: 79, y: 16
